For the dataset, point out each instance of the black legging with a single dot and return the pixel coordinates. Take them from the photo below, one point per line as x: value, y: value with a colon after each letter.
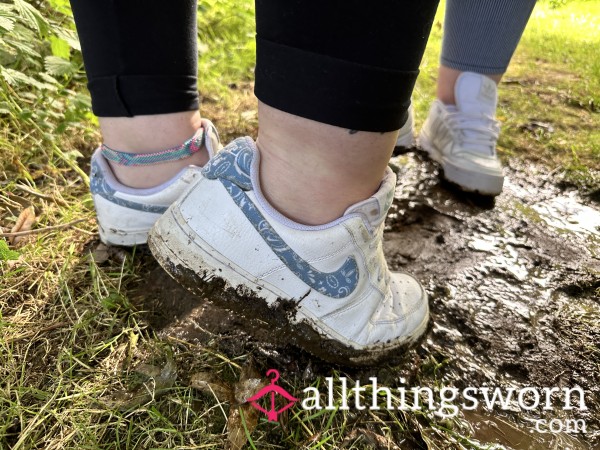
x: 348, y: 63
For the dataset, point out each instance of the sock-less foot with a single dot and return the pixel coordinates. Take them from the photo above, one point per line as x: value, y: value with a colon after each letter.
x: 125, y: 214
x: 151, y: 134
x: 327, y: 287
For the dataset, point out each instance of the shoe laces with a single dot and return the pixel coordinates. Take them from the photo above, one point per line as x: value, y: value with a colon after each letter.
x: 475, y: 131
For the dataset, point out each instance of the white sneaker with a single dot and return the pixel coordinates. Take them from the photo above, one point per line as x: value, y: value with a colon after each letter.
x: 125, y: 215
x: 406, y: 135
x: 463, y: 138
x: 326, y: 288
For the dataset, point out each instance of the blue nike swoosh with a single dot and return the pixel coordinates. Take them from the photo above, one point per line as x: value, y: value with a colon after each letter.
x: 232, y: 169
x: 99, y: 186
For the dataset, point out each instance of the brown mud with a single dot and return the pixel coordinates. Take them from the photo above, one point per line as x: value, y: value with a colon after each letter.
x: 514, y: 288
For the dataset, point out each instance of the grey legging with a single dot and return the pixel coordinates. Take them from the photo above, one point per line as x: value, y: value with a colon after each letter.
x: 481, y: 36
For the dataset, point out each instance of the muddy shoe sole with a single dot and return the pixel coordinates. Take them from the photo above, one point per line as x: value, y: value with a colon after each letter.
x: 208, y: 280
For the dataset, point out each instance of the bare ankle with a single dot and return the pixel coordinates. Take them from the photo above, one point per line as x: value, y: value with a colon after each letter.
x: 148, y: 134
x: 312, y: 172
x: 142, y: 177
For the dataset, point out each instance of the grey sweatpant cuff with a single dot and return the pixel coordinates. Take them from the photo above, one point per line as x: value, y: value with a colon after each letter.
x: 482, y: 35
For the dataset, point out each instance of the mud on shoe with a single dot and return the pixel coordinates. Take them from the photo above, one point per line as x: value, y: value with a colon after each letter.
x: 462, y: 138
x: 327, y: 288
x: 125, y: 215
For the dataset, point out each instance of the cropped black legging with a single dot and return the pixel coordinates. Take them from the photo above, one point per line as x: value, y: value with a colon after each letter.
x: 348, y: 63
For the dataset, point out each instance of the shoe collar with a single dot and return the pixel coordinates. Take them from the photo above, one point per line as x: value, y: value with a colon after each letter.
x: 211, y: 138
x: 100, y: 166
x: 101, y: 172
x: 240, y: 163
x: 372, y: 211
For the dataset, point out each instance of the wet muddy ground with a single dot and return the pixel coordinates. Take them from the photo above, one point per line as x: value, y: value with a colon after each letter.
x: 514, y: 290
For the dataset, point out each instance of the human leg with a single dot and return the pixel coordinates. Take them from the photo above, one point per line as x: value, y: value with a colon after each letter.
x: 302, y: 211
x: 460, y: 131
x: 141, y: 62
x: 307, y: 175
x: 479, y: 37
x: 318, y: 86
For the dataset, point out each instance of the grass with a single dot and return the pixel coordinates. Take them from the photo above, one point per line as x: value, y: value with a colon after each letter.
x: 565, y: 87
x: 73, y: 346
x: 549, y: 101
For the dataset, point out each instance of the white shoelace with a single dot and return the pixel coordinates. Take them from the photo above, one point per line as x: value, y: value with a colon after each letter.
x: 475, y: 130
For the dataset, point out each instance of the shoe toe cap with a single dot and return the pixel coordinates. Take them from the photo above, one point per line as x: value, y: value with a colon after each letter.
x: 410, y: 301
x: 399, y: 317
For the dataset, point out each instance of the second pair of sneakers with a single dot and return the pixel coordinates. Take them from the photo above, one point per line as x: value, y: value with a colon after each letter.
x: 462, y: 138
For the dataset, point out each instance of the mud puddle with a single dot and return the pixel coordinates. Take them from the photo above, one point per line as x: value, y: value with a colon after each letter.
x: 514, y: 293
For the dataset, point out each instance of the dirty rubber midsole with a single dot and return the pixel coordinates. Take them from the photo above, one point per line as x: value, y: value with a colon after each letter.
x: 126, y: 239
x: 469, y: 180
x: 211, y: 276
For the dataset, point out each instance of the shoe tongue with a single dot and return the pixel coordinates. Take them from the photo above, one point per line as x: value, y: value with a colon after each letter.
x: 375, y: 208
x: 475, y: 94
x: 211, y: 138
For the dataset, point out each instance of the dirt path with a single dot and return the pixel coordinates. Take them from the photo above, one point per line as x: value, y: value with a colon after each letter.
x: 514, y: 289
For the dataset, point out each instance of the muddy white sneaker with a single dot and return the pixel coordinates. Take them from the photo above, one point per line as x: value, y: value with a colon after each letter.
x: 327, y: 288
x: 125, y: 215
x: 406, y: 136
x: 463, y: 138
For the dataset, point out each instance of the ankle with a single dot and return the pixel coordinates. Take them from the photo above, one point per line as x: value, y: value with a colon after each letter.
x: 303, y: 197
x: 312, y: 172
x: 149, y: 134
x: 143, y: 177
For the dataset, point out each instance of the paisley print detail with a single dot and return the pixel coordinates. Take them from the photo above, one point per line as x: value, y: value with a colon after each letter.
x: 99, y: 186
x: 232, y: 168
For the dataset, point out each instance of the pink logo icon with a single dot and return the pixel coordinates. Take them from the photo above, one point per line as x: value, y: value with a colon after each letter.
x: 272, y: 390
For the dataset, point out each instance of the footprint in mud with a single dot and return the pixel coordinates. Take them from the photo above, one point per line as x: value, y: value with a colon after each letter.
x: 513, y: 282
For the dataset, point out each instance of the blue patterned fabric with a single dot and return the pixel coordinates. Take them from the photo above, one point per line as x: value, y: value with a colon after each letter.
x: 185, y: 150
x: 232, y: 168
x: 99, y: 186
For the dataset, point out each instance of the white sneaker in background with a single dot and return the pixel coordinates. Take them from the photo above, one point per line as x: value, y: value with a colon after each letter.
x: 327, y: 287
x: 463, y: 138
x: 125, y: 215
x: 406, y: 136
